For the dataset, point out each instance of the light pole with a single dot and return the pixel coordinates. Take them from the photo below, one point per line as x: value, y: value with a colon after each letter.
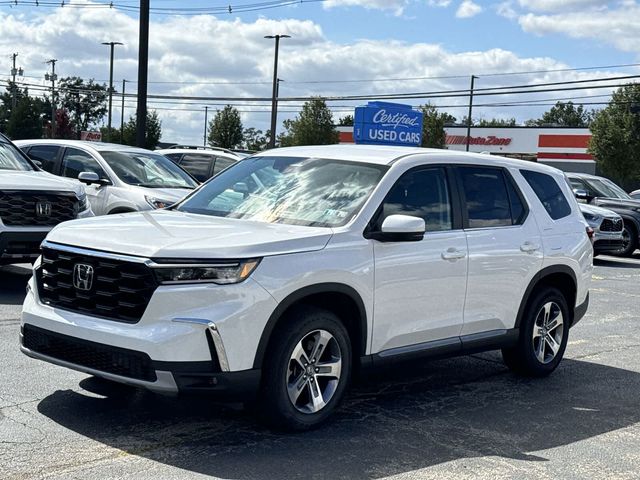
x: 124, y: 86
x: 52, y: 77
x: 111, y: 45
x: 14, y: 71
x: 143, y: 74
x: 473, y: 77
x: 206, y: 120
x: 274, y: 97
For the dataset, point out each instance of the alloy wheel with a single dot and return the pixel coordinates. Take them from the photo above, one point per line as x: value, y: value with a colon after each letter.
x: 548, y: 330
x: 314, y: 371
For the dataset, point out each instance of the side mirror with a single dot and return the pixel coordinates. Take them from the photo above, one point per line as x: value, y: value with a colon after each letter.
x: 37, y: 163
x: 92, y: 177
x: 581, y: 194
x: 401, y: 228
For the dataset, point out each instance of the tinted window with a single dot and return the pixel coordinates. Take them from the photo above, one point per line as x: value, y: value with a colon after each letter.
x: 548, y: 191
x: 75, y: 161
x: 518, y: 209
x: 222, y: 163
x: 487, y: 199
x: 421, y: 193
x: 174, y: 157
x: 197, y: 165
x: 45, y: 154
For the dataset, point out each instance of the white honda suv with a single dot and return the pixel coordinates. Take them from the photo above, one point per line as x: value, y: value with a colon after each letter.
x: 340, y: 258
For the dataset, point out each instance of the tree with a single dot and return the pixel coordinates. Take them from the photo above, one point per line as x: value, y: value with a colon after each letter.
x: 86, y: 101
x: 225, y: 130
x: 564, y: 115
x: 433, y: 134
x: 615, y: 141
x: 25, y: 121
x: 346, y: 121
x: 313, y: 126
x: 254, y: 139
x: 496, y: 122
x: 64, y: 127
x: 152, y: 135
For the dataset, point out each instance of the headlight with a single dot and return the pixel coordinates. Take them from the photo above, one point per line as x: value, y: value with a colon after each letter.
x: 223, y: 273
x: 82, y: 202
x: 158, y: 203
x: 590, y: 217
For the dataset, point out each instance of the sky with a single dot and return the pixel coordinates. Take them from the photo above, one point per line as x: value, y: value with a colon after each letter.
x: 337, y: 47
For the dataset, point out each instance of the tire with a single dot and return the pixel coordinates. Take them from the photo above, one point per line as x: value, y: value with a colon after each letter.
x: 630, y: 238
x: 287, y: 380
x: 527, y: 358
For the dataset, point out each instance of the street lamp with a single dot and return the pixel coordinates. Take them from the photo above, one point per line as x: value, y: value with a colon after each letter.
x: 111, y: 45
x: 274, y: 97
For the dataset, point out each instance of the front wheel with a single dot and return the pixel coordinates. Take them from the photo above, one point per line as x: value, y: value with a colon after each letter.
x: 544, y: 333
x: 629, y: 241
x: 307, y: 370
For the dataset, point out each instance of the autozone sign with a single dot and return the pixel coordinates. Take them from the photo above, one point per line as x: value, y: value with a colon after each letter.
x: 91, y: 136
x: 488, y: 140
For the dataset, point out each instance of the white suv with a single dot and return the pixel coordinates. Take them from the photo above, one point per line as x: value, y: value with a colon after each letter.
x: 119, y: 178
x: 32, y: 202
x: 344, y: 257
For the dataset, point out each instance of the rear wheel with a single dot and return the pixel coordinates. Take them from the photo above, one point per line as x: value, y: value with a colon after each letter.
x: 307, y: 370
x: 543, y: 335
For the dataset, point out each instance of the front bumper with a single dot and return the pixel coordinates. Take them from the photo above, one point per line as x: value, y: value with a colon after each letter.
x: 20, y: 246
x: 607, y: 241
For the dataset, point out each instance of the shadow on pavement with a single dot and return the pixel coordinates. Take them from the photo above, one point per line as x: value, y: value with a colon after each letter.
x: 13, y: 281
x: 617, y: 262
x: 447, y: 410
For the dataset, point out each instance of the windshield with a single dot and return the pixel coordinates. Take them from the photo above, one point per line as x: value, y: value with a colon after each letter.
x: 295, y: 191
x: 148, y: 170
x: 606, y: 188
x: 10, y: 159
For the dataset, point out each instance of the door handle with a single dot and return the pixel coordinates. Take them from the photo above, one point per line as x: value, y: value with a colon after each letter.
x: 453, y: 254
x: 529, y: 247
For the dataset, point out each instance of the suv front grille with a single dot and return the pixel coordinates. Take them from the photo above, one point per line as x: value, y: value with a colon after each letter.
x: 97, y: 356
x: 609, y: 225
x: 118, y: 290
x: 28, y: 209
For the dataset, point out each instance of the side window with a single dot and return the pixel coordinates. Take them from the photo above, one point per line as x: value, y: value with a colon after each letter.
x: 197, y: 165
x: 488, y: 203
x: 45, y: 154
x: 221, y: 164
x: 548, y: 191
x: 421, y: 193
x: 174, y: 157
x: 577, y: 184
x: 75, y: 161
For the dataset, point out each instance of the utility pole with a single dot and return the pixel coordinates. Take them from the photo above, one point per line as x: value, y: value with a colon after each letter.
x: 14, y: 71
x: 111, y: 45
x: 52, y: 77
x: 473, y: 77
x: 274, y: 97
x: 206, y: 119
x: 124, y: 86
x: 143, y: 70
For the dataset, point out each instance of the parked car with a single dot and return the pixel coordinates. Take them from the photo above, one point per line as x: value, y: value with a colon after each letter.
x: 635, y: 194
x: 602, y: 192
x: 119, y: 178
x: 202, y: 164
x: 32, y: 202
x: 607, y: 228
x: 345, y: 258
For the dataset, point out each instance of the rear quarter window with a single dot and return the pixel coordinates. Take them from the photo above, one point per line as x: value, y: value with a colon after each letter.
x: 549, y: 193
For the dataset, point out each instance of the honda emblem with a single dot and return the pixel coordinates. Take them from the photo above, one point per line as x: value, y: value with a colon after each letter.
x: 83, y: 277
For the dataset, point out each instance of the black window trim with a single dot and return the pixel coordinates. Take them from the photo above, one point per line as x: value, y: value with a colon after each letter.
x: 507, y: 177
x: 454, y: 200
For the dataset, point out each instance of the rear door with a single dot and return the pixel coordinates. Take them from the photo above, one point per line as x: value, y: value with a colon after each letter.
x: 505, y: 250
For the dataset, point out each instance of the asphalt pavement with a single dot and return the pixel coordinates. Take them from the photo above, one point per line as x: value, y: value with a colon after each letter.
x: 460, y: 418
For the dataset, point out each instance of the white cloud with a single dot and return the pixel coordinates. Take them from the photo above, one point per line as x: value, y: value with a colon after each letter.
x: 397, y: 6
x: 439, y: 3
x: 468, y: 9
x: 505, y: 9
x: 563, y: 5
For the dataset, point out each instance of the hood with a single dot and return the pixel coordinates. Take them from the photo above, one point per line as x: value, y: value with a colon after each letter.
x: 15, y: 180
x: 170, y: 194
x: 170, y: 234
x: 618, y: 203
x: 601, y: 212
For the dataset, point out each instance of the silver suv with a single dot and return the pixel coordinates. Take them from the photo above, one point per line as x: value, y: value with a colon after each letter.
x: 119, y: 178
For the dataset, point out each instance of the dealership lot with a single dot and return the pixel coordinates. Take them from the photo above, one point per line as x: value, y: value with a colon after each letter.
x: 459, y: 418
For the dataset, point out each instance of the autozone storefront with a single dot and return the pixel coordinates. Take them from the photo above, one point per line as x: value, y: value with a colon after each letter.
x: 564, y: 148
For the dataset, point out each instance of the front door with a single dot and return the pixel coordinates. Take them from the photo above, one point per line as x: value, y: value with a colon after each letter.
x: 420, y: 286
x: 76, y: 161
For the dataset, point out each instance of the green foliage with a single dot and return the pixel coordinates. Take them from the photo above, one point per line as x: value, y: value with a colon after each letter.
x: 25, y: 121
x: 254, y: 139
x: 433, y: 134
x: 346, y: 121
x: 496, y: 122
x: 313, y: 126
x: 615, y: 141
x: 225, y: 130
x: 85, y: 100
x: 152, y: 135
x: 564, y: 115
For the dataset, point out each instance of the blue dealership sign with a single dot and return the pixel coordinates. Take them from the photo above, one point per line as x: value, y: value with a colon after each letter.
x: 383, y: 123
